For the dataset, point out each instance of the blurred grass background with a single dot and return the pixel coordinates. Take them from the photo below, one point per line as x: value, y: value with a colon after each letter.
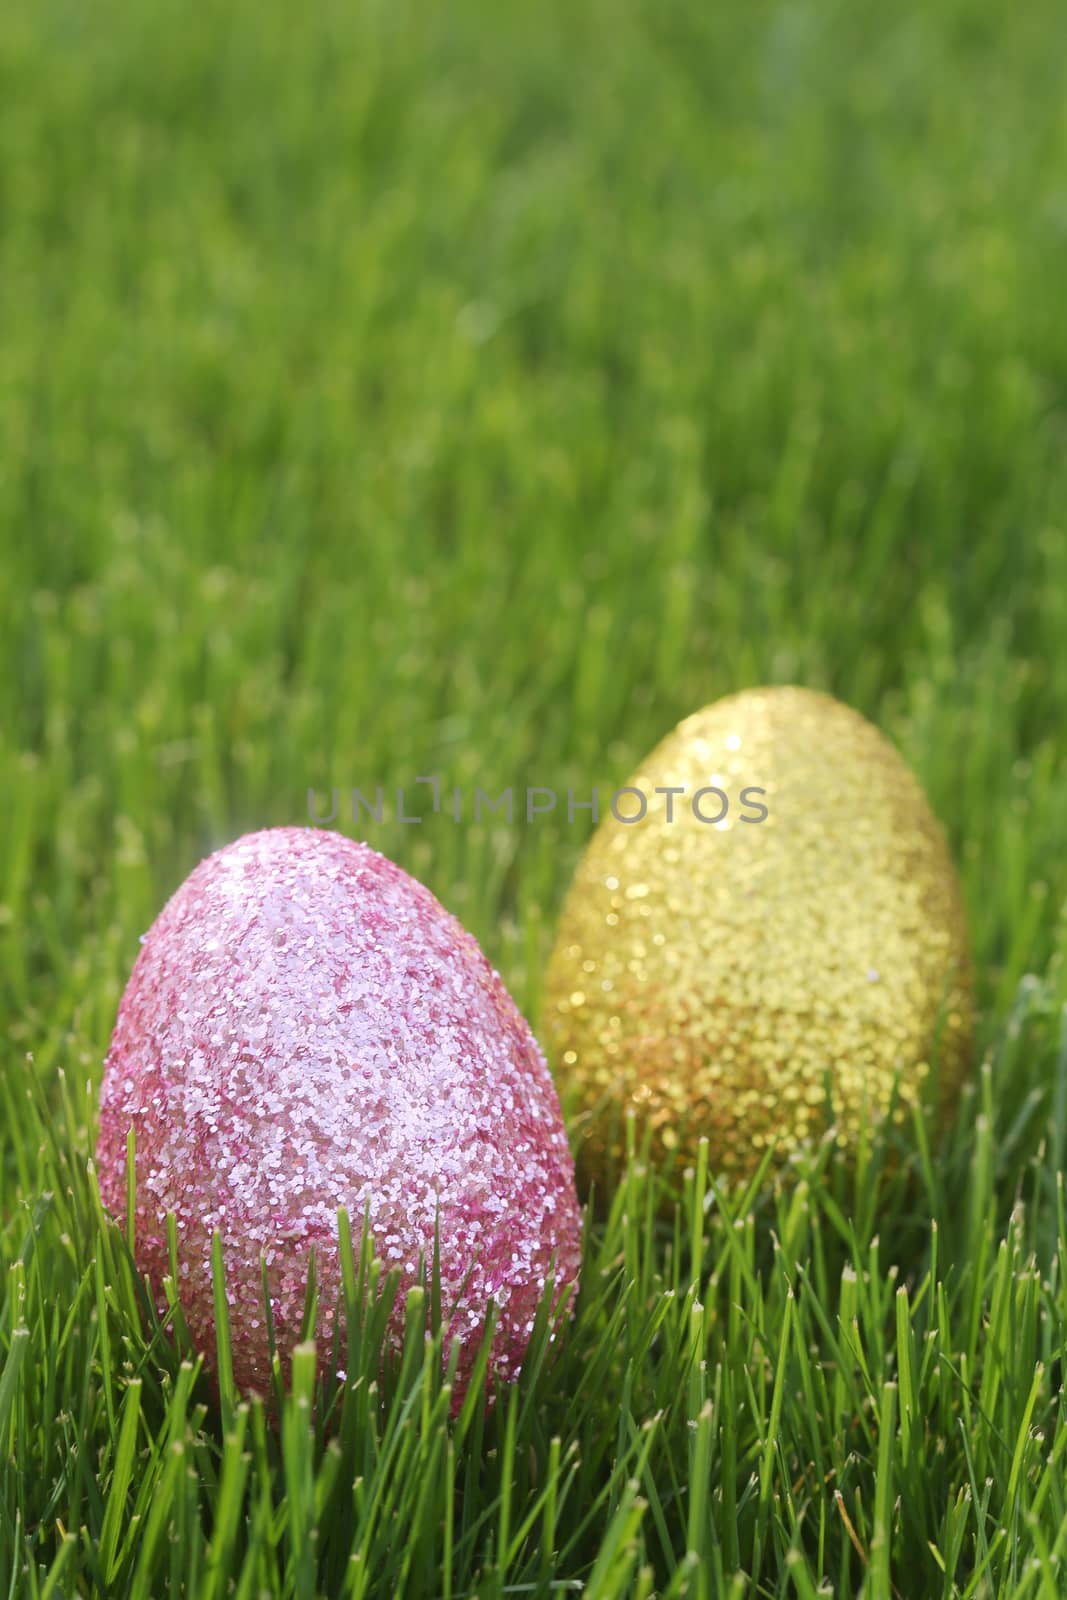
x: 388, y: 389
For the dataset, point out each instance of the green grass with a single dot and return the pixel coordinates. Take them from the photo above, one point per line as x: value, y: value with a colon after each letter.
x: 389, y: 391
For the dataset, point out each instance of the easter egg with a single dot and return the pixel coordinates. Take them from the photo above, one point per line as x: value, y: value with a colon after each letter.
x: 306, y: 1028
x: 765, y: 933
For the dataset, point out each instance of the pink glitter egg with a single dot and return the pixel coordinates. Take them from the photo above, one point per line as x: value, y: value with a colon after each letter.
x: 307, y: 1028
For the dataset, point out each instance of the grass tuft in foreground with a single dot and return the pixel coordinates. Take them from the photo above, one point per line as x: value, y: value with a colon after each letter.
x: 847, y: 1381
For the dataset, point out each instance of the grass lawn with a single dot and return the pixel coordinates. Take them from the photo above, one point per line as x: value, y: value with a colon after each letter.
x: 389, y: 389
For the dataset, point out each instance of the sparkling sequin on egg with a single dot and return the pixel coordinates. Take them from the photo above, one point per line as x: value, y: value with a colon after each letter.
x: 716, y: 978
x: 307, y: 1028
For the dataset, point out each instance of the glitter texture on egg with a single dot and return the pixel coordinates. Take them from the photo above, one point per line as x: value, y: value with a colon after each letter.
x: 307, y: 1028
x: 716, y: 977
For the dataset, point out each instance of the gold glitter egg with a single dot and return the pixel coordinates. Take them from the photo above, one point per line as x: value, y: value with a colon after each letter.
x: 766, y: 932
